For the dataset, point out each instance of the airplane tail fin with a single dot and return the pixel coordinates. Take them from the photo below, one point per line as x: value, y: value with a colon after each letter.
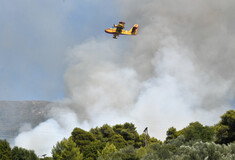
x: 134, y: 29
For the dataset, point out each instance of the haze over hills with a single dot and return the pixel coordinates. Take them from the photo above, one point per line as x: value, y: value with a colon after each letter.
x: 16, y: 116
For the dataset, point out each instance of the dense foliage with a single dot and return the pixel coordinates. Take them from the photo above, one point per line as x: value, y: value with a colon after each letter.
x: 195, y: 141
x: 66, y: 149
x: 93, y: 143
x: 17, y: 153
x: 194, y: 131
x: 122, y: 142
x: 5, y: 150
x: 225, y: 129
x: 179, y: 149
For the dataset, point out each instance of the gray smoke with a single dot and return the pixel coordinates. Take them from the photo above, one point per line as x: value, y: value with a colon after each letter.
x: 178, y: 69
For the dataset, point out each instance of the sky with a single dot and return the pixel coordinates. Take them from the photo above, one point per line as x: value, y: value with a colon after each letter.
x: 178, y: 69
x: 35, y: 36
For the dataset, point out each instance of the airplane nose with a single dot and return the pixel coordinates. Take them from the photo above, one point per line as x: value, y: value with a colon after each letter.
x: 106, y: 31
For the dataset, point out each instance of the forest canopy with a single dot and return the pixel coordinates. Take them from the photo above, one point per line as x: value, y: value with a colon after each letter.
x: 123, y: 142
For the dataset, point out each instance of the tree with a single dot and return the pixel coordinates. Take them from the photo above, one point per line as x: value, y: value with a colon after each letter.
x: 82, y: 138
x: 108, y: 149
x: 159, y: 151
x: 204, y: 150
x: 127, y: 153
x: 151, y: 140
x: 91, y: 151
x: 196, y: 131
x: 5, y: 150
x: 97, y: 133
x: 19, y: 153
x: 190, y: 150
x: 177, y: 142
x: 171, y: 134
x: 66, y: 149
x: 128, y: 132
x: 107, y: 131
x: 118, y: 141
x: 141, y: 152
x: 225, y: 129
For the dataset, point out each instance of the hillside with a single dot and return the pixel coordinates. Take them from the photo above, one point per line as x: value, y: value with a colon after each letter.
x: 14, y: 114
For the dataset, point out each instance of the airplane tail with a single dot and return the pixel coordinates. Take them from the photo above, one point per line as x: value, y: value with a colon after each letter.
x: 134, y: 29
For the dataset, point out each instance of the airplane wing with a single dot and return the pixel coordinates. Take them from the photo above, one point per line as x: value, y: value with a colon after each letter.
x: 120, y: 27
x: 121, y: 24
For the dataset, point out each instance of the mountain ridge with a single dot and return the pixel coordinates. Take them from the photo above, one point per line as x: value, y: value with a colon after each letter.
x: 15, y: 114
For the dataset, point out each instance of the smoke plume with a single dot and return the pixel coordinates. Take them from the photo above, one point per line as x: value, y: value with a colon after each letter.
x: 178, y: 69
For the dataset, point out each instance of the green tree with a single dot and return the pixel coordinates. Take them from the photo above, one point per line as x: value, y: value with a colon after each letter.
x: 108, y: 149
x: 225, y: 129
x: 107, y: 131
x: 128, y: 132
x: 154, y: 140
x: 66, y: 149
x: 177, y: 142
x: 5, y: 150
x: 82, y: 138
x: 141, y: 152
x: 118, y: 128
x: 159, y: 151
x: 196, y: 131
x: 19, y: 153
x: 171, y: 134
x: 91, y: 151
x: 127, y: 153
x: 118, y: 141
x: 97, y: 133
x: 151, y: 140
x: 203, y: 150
x: 190, y: 150
x: 103, y: 133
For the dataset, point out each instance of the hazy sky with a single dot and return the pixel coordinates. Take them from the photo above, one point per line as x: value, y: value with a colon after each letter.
x: 35, y: 36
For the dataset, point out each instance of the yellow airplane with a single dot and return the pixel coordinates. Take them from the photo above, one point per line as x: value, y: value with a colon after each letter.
x: 119, y: 29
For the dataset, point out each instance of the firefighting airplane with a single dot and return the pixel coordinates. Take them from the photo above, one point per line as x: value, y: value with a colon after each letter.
x: 119, y: 29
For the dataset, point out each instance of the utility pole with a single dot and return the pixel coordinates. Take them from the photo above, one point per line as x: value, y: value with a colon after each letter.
x: 146, y: 137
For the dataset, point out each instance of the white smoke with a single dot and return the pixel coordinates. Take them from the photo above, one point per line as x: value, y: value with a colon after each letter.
x: 44, y: 136
x: 98, y: 85
x: 177, y: 70
x: 172, y: 95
